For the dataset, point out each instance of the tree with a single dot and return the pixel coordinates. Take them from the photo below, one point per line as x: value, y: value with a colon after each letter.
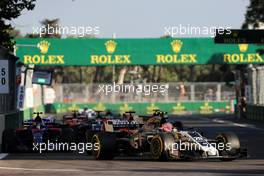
x: 50, y: 26
x: 11, y: 9
x: 254, y: 15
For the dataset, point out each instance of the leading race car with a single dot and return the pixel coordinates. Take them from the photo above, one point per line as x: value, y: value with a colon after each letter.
x: 34, y: 131
x: 163, y: 141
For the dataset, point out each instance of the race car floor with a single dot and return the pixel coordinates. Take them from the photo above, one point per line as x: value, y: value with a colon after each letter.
x: 80, y: 164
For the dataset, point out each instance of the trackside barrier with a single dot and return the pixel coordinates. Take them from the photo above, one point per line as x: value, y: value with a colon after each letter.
x: 255, y: 112
x: 9, y: 117
x: 10, y: 120
x: 28, y: 113
x: 200, y: 107
x: 205, y: 108
x: 13, y: 120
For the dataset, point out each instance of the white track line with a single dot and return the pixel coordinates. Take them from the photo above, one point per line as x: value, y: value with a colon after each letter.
x: 61, y: 170
x: 219, y: 121
x: 49, y: 170
x: 3, y: 155
x: 243, y: 125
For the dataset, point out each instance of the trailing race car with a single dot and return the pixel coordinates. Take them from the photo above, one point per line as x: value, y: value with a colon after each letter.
x: 80, y: 122
x: 166, y: 142
x: 85, y: 128
x: 74, y: 119
x: 127, y: 123
x: 89, y: 113
x: 34, y: 131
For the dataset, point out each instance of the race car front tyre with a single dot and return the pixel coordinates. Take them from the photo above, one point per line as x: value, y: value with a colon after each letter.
x: 161, y: 145
x: 104, y: 145
x: 231, y: 148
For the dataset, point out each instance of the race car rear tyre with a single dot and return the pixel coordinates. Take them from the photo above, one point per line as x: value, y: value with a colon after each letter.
x: 9, y: 141
x: 104, y: 146
x: 161, y: 145
x: 231, y: 145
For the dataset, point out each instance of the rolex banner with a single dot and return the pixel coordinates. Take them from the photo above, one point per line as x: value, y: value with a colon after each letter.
x: 93, y: 52
x: 177, y: 108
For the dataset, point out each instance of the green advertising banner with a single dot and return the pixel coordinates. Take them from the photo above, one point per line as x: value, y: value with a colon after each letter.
x: 93, y: 52
x: 175, y: 108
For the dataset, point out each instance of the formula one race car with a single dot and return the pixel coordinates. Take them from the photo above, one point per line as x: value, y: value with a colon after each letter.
x: 166, y: 142
x: 74, y: 119
x: 80, y: 121
x: 85, y: 129
x: 108, y: 122
x: 79, y: 117
x: 36, y: 131
x: 159, y: 117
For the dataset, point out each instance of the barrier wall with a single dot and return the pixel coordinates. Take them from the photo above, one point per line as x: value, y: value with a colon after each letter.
x: 9, y: 121
x: 141, y: 108
x: 255, y: 112
x: 28, y: 113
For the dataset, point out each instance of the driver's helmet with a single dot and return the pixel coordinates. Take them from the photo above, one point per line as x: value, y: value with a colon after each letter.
x: 108, y: 113
x: 167, y: 127
x: 125, y: 116
x: 38, y: 120
x: 75, y: 114
x: 153, y: 122
x: 164, y: 120
x: 156, y: 113
x: 131, y: 118
x: 90, y: 114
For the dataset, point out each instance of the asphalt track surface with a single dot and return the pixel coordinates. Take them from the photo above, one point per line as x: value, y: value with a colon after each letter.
x: 250, y: 134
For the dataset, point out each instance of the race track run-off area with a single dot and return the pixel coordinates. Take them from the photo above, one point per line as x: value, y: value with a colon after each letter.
x: 251, y: 136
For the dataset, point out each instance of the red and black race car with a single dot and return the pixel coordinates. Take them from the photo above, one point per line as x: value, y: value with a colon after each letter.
x: 107, y: 121
x: 74, y: 119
